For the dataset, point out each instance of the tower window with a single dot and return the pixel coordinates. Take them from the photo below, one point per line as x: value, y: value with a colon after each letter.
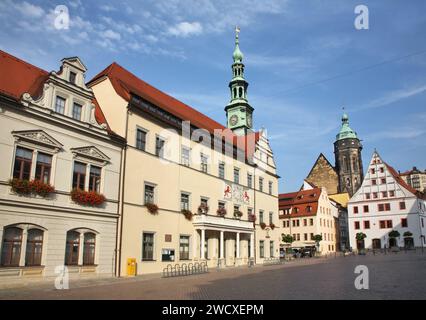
x: 241, y: 92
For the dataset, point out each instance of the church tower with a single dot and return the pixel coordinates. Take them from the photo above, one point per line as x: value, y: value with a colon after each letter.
x: 347, y: 151
x: 238, y: 111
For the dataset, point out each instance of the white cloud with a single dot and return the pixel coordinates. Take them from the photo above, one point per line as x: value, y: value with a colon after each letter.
x: 110, y: 34
x: 185, y: 29
x: 392, y: 97
x: 107, y: 8
x: 29, y: 10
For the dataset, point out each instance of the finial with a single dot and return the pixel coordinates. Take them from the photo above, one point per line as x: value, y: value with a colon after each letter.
x: 238, y: 55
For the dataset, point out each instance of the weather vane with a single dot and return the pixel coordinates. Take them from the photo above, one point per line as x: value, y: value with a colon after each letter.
x: 237, y: 30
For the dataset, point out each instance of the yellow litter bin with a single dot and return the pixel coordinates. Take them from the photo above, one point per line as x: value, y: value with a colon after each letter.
x: 131, y: 266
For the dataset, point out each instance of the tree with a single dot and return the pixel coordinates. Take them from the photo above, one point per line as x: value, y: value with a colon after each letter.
x: 360, y: 236
x: 394, y: 234
x: 286, y: 238
x: 317, y: 238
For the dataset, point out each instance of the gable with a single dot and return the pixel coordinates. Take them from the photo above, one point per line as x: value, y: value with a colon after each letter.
x: 324, y: 175
x: 38, y: 138
x: 91, y: 153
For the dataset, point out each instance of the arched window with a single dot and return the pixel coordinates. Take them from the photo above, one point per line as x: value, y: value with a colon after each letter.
x: 34, y: 247
x: 89, y: 248
x: 241, y: 93
x: 235, y: 93
x: 72, y: 248
x: 354, y: 164
x: 11, y: 249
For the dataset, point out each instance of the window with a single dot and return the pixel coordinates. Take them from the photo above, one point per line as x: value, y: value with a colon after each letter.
x: 392, y: 193
x: 262, y: 248
x: 147, y: 246
x: 312, y: 236
x: 203, y: 163
x: 373, y: 182
x: 72, y: 248
x: 271, y: 249
x: 95, y: 179
x: 222, y: 170
x: 356, y: 225
x: 382, y: 169
x: 305, y: 236
x: 383, y: 180
x: 236, y: 175
x: 261, y: 184
x: 385, y: 224
x: 76, y: 111
x: 260, y: 216
x: 366, y: 208
x: 366, y: 224
x: 221, y: 205
x: 60, y: 105
x: 34, y: 247
x: 271, y: 216
x: 311, y: 222
x: 367, y: 196
x: 22, y: 166
x: 141, y: 139
x: 305, y: 222
x: 387, y: 206
x: 159, y: 147
x: 384, y: 194
x: 404, y: 223
x: 184, y: 248
x: 149, y: 194
x: 373, y: 171
x: 249, y: 180
x: 270, y: 187
x: 11, y: 249
x: 402, y: 205
x: 73, y: 77
x: 43, y: 167
x: 167, y: 255
x: 185, y: 156
x: 79, y: 175
x: 184, y: 201
x: 89, y: 249
x: 375, y: 195
x: 355, y: 209
x: 309, y: 209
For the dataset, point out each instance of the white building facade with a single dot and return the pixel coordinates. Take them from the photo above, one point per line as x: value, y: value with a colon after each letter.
x: 385, y: 203
x: 59, y: 173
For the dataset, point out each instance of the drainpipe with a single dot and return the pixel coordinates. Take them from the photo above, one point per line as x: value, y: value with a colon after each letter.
x: 122, y: 183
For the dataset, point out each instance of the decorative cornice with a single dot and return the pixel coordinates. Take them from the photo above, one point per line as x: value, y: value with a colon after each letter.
x: 91, y: 152
x: 38, y: 137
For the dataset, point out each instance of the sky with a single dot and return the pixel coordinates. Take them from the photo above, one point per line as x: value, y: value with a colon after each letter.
x: 304, y: 59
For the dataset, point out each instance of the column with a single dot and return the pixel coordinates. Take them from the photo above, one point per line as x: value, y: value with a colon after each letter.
x: 221, y: 244
x: 194, y: 244
x: 80, y: 249
x: 23, y: 247
x: 238, y: 245
x: 251, y: 245
x: 203, y: 244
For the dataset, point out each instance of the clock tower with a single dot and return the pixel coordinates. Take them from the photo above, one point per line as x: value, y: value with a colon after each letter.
x: 238, y: 111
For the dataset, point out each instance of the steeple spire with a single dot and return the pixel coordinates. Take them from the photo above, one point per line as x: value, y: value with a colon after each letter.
x: 238, y: 111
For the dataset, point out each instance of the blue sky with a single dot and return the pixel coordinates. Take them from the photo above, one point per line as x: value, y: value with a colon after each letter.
x: 304, y: 61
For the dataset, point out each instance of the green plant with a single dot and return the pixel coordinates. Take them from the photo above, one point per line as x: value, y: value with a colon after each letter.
x: 407, y: 234
x: 286, y: 238
x: 317, y: 238
x: 26, y: 187
x: 360, y: 236
x: 394, y: 234
x: 203, y: 208
x: 221, y: 212
x: 238, y: 214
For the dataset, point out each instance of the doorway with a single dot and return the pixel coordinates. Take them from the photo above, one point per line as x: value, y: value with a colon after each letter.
x: 377, y: 244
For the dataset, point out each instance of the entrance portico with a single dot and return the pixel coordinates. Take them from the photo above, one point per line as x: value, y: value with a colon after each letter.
x: 222, y: 241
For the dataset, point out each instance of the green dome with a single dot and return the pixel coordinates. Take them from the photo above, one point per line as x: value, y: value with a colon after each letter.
x: 237, y: 55
x: 346, y: 132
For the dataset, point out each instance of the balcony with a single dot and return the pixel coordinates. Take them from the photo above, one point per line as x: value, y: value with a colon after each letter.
x: 220, y: 223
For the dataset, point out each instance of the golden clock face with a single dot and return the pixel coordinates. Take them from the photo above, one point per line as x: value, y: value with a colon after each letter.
x: 233, y: 120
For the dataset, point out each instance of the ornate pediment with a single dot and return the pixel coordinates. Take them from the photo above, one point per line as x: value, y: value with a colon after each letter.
x: 37, y: 137
x: 92, y: 153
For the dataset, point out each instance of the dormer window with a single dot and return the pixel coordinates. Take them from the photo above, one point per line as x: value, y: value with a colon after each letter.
x: 73, y: 77
x: 60, y: 105
x: 76, y: 111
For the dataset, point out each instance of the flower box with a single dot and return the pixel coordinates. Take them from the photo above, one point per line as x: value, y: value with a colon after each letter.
x: 238, y: 214
x: 252, y: 218
x: 26, y: 187
x: 187, y: 213
x: 152, y: 208
x: 221, y: 212
x: 87, y: 198
x: 203, y: 208
x: 262, y: 225
x: 272, y: 226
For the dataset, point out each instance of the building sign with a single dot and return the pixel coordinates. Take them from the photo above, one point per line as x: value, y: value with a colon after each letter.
x: 236, y: 193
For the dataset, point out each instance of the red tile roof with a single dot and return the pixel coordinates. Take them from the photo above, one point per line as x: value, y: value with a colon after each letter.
x: 126, y: 83
x: 401, y: 181
x: 18, y: 77
x: 300, y: 200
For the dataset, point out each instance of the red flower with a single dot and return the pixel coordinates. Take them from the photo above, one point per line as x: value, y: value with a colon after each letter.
x: 91, y: 198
